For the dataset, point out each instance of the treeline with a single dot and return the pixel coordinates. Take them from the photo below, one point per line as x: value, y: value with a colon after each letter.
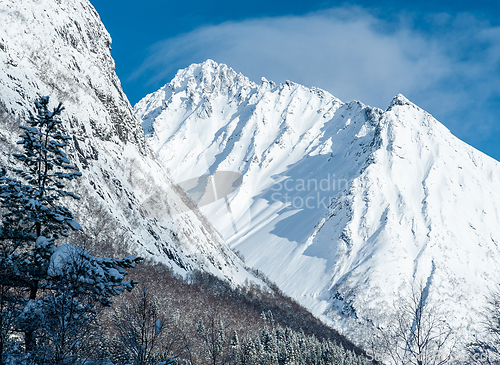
x: 211, y: 340
x: 202, y: 320
x: 200, y: 292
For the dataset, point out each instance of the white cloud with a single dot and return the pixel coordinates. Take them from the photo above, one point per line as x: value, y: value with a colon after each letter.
x: 448, y: 65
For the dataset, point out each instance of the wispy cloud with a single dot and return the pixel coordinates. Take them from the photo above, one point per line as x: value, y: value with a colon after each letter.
x: 447, y: 64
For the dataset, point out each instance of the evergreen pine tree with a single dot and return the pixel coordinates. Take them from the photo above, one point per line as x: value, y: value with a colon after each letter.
x: 31, y: 202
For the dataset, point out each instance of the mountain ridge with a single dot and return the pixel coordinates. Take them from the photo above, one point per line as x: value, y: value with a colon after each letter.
x: 403, y: 192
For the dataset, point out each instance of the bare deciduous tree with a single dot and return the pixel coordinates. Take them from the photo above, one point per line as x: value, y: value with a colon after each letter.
x: 418, y: 333
x: 146, y: 336
x: 215, y: 342
x: 485, y: 349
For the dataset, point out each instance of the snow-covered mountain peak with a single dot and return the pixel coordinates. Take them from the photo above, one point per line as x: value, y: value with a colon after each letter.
x: 209, y: 77
x: 401, y: 100
x: 340, y: 203
x: 201, y: 85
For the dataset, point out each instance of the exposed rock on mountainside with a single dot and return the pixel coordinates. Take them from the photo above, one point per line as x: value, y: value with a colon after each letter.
x: 61, y: 49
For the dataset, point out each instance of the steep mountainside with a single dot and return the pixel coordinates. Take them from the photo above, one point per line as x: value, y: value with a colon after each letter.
x: 340, y: 204
x: 61, y: 49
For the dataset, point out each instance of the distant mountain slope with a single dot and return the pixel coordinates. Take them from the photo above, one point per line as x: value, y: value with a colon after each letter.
x: 61, y: 49
x: 340, y: 203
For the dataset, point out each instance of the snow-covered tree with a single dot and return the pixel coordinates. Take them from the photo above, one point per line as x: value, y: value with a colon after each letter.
x: 33, y: 201
x: 40, y: 282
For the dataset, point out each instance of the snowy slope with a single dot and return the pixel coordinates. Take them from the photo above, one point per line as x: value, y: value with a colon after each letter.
x: 61, y: 49
x: 340, y: 203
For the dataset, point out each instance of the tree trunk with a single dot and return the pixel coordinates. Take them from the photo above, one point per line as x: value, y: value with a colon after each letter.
x: 2, y: 362
x: 29, y: 340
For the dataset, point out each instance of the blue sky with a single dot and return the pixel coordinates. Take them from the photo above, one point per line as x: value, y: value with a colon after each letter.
x: 443, y: 55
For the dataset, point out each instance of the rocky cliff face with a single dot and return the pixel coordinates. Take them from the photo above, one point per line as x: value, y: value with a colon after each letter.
x: 340, y: 203
x: 61, y: 49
